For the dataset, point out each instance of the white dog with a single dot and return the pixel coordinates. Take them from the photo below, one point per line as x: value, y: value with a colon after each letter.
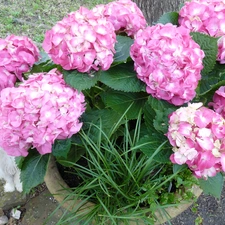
x: 9, y: 172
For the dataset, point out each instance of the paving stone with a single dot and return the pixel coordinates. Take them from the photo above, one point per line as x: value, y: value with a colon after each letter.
x: 3, y: 220
x: 39, y: 208
x: 10, y: 199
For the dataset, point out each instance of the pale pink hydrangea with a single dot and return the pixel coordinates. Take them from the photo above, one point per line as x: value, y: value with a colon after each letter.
x: 197, y: 136
x: 81, y: 41
x: 124, y: 15
x: 208, y: 17
x: 168, y: 61
x: 18, y: 54
x: 39, y: 111
x: 218, y: 103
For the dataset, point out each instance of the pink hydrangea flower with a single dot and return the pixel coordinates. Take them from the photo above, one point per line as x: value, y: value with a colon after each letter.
x: 124, y: 15
x: 221, y: 50
x: 7, y: 79
x: 168, y: 61
x: 218, y: 103
x: 208, y: 17
x: 18, y: 54
x: 197, y: 136
x: 81, y: 41
x: 39, y: 111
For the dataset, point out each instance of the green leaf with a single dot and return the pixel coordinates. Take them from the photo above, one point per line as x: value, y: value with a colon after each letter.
x: 210, y: 83
x: 209, y: 46
x: 122, y: 78
x: 80, y: 81
x: 121, y: 101
x: 61, y: 148
x: 170, y: 17
x: 177, y: 168
x: 162, y: 110
x: 150, y: 143
x: 19, y: 161
x: 213, y: 185
x: 74, y: 155
x: 149, y: 117
x: 45, y: 64
x: 44, y: 58
x: 122, y: 48
x: 107, y: 119
x: 33, y: 170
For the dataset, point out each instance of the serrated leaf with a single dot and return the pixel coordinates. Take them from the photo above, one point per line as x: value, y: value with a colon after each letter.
x: 121, y: 101
x: 33, y: 170
x: 107, y: 119
x: 212, y: 81
x: 150, y: 143
x: 162, y: 110
x: 80, y: 81
x: 122, y: 48
x: 122, y: 78
x: 209, y: 46
x: 160, y: 121
x: 213, y: 185
x: 61, y: 148
x: 170, y: 17
x: 19, y: 161
x: 157, y: 104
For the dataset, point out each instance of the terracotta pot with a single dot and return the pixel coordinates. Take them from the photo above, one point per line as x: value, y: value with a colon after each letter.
x: 60, y: 190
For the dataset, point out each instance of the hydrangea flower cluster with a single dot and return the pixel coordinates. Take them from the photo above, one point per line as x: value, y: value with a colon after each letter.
x: 18, y: 54
x: 197, y: 136
x: 42, y: 109
x: 218, y: 103
x: 168, y: 61
x: 81, y: 41
x: 205, y: 16
x: 124, y: 15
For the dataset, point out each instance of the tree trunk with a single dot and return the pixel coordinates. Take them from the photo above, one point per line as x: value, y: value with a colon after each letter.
x: 153, y: 9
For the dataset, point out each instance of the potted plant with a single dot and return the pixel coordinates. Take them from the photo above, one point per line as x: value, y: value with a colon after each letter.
x: 136, y: 111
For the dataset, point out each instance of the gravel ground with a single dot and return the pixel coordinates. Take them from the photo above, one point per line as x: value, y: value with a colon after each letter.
x: 210, y: 211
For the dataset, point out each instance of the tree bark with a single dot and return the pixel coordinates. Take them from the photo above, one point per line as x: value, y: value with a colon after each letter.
x: 153, y: 9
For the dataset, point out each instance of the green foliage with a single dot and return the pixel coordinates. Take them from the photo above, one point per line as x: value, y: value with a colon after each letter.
x: 80, y: 81
x: 122, y: 78
x: 149, y: 143
x: 162, y: 110
x: 44, y: 64
x: 211, y: 82
x: 33, y: 170
x: 122, y: 49
x: 170, y: 17
x: 121, y: 101
x: 213, y: 185
x: 61, y: 148
x: 108, y: 119
x: 209, y: 46
x: 118, y: 174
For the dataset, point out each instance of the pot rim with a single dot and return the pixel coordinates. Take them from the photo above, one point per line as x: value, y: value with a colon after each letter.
x: 60, y: 191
